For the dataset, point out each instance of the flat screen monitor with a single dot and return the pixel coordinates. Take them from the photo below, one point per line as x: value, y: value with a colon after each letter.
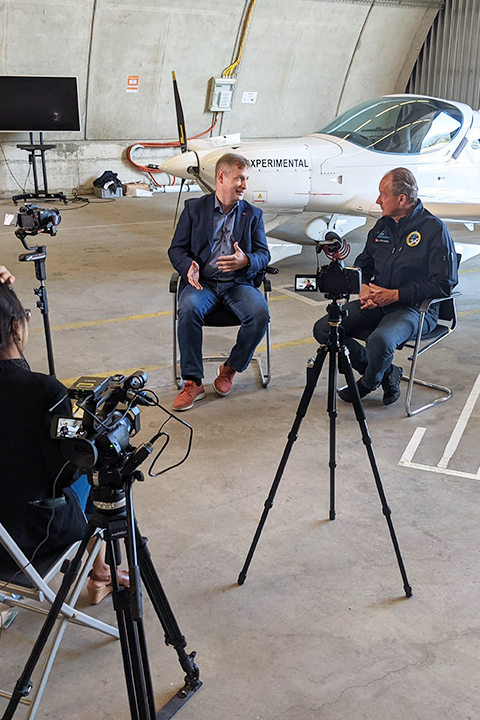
x: 38, y: 104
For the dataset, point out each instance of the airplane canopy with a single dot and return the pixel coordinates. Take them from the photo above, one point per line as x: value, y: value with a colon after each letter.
x: 399, y: 124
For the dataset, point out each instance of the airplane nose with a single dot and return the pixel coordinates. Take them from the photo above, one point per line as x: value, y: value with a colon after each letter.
x: 178, y: 165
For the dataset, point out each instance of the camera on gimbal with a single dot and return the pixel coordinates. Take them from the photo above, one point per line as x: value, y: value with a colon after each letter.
x: 32, y: 219
x: 334, y: 280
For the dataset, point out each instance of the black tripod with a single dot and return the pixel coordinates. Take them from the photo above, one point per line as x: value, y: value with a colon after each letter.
x: 115, y: 515
x: 334, y: 347
x: 38, y: 255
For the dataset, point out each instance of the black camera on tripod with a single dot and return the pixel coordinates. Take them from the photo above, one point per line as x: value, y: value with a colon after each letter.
x: 334, y: 280
x: 111, y: 417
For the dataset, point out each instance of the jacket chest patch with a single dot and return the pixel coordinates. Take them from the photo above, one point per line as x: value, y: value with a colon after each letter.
x: 413, y: 238
x: 382, y: 237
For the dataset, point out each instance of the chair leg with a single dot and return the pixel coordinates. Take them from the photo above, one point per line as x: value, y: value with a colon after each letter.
x: 447, y: 394
x: 177, y: 375
x: 64, y: 618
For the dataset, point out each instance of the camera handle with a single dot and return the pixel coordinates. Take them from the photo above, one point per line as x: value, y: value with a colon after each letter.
x: 38, y: 255
x: 335, y: 347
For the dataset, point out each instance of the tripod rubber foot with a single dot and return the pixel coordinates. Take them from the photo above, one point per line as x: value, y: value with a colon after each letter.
x: 408, y: 590
x: 177, y: 701
x: 332, y: 515
x: 241, y: 578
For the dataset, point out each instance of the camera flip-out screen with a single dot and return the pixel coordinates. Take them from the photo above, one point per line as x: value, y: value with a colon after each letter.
x: 67, y: 427
x: 305, y: 283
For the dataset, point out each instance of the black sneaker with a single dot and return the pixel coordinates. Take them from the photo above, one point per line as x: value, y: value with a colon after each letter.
x: 347, y: 396
x: 391, y: 384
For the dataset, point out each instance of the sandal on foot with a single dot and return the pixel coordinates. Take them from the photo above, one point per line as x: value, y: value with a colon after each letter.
x: 99, y: 587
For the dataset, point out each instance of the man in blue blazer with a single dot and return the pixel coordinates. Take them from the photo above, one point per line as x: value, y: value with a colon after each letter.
x: 220, y: 250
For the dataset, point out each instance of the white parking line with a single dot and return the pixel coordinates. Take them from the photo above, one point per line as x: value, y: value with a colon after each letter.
x: 461, y: 425
x: 442, y: 466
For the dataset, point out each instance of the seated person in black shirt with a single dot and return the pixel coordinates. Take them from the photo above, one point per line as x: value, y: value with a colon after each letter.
x: 36, y: 482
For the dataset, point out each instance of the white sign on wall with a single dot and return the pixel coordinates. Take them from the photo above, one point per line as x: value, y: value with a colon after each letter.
x: 249, y: 97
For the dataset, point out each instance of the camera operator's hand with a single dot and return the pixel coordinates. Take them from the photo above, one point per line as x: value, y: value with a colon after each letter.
x: 227, y: 263
x: 193, y: 275
x: 6, y: 276
x: 366, y: 298
x: 382, y: 296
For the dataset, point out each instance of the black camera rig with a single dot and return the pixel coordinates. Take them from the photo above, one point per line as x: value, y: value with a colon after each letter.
x: 334, y: 280
x: 100, y: 441
x: 33, y: 219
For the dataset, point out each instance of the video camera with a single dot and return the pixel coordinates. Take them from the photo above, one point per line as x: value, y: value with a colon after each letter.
x: 110, y: 418
x: 334, y: 280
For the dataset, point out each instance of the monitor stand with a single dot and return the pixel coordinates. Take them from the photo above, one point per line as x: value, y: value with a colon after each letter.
x: 32, y: 149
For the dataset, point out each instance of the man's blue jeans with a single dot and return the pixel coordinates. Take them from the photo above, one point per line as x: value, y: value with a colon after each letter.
x: 245, y: 301
x: 383, y: 329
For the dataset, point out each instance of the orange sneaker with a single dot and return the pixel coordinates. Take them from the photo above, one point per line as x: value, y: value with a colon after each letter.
x: 190, y: 393
x: 224, y: 380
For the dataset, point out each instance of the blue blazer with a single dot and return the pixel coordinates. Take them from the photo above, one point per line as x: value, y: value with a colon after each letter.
x: 194, y: 234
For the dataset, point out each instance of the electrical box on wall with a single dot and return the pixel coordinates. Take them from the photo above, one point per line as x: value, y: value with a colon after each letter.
x: 220, y: 94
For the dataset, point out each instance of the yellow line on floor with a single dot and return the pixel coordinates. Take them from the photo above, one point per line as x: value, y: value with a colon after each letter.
x: 106, y: 321
x: 151, y: 368
x: 125, y: 318
x: 473, y: 311
x: 462, y: 272
x: 288, y: 344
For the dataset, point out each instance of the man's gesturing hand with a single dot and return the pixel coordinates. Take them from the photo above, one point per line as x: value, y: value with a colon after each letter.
x: 193, y: 275
x: 237, y: 261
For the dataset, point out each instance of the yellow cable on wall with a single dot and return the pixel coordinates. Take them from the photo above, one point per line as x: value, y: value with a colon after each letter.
x: 228, y: 72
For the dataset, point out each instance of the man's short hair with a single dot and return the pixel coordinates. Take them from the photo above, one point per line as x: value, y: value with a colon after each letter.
x: 404, y: 183
x: 231, y: 160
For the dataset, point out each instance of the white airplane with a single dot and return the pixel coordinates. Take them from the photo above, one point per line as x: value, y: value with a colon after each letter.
x: 335, y: 172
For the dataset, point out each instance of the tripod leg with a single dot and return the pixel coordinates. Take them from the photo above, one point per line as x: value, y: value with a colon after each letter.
x: 23, y: 684
x: 367, y: 441
x: 173, y: 635
x: 121, y: 606
x: 313, y: 372
x: 332, y: 413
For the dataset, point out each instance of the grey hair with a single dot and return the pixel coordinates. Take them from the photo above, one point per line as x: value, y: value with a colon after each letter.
x: 231, y: 160
x: 404, y: 183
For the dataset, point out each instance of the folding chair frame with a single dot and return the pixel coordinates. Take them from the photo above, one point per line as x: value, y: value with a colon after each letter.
x: 418, y: 350
x: 41, y: 594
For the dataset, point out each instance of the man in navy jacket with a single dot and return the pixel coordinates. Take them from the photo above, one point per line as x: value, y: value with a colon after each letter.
x: 220, y: 250
x: 409, y: 256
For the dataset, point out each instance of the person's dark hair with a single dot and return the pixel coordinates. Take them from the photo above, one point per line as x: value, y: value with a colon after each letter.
x: 231, y: 160
x: 11, y: 311
x: 404, y: 183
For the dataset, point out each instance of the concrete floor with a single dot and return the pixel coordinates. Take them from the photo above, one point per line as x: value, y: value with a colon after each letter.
x: 321, y: 630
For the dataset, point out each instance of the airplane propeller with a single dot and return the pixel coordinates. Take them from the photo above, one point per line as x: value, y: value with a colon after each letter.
x: 182, y: 136
x: 192, y: 170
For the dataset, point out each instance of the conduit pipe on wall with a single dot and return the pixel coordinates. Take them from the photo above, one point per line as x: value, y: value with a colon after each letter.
x: 151, y: 169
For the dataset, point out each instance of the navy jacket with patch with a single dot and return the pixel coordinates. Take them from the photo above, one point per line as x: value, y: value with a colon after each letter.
x: 415, y: 256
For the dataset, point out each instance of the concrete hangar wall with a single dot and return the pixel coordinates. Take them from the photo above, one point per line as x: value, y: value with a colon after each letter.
x: 307, y: 60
